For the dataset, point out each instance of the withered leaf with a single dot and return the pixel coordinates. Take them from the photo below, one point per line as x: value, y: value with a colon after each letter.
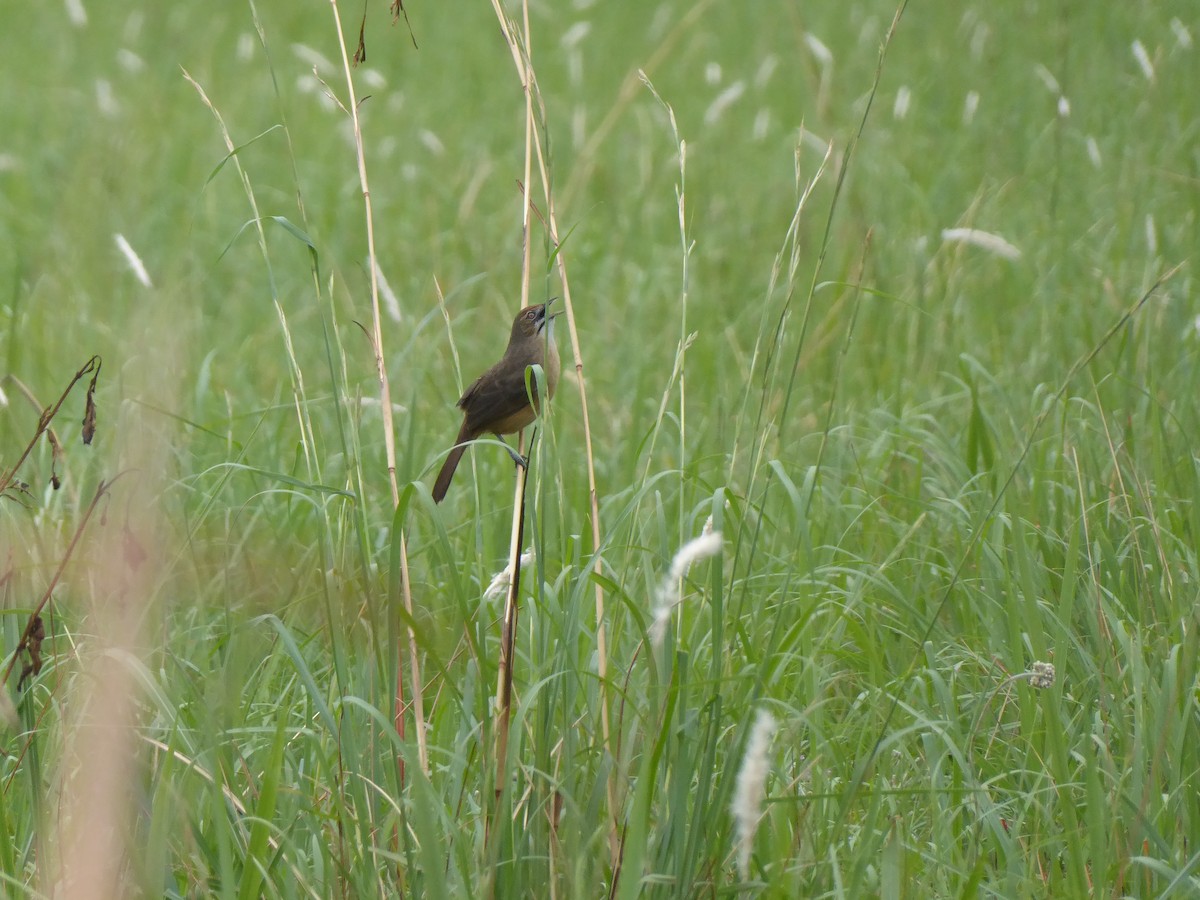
x: 89, y: 418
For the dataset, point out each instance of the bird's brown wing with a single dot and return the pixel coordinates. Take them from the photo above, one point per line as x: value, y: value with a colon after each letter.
x: 494, y: 397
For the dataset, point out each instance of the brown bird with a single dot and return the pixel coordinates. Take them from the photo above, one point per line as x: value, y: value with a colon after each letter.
x: 497, y: 401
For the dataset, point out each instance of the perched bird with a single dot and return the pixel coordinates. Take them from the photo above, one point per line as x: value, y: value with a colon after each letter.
x: 497, y: 402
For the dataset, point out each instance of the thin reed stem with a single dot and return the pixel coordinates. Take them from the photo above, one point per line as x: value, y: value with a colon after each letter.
x: 385, y: 403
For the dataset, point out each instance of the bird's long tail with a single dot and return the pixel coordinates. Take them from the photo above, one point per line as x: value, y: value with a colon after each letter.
x: 446, y: 475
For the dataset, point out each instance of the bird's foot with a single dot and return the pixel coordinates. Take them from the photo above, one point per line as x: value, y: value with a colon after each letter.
x: 522, y: 461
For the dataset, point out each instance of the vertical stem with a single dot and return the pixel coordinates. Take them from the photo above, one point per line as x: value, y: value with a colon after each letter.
x: 385, y: 403
x: 525, y: 71
x: 508, y: 631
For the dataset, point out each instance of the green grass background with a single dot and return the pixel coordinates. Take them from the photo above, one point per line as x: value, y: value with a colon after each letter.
x: 882, y: 576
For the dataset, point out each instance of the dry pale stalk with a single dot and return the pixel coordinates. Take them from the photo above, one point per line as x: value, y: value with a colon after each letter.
x: 385, y: 398
x: 519, y: 46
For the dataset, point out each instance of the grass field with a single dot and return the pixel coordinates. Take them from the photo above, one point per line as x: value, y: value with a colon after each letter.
x: 914, y: 332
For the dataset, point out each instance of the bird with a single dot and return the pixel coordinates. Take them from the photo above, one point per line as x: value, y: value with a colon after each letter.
x: 497, y: 402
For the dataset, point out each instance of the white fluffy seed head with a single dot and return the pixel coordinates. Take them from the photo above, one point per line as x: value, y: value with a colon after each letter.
x: 747, y: 806
x: 708, y: 544
x: 985, y: 240
x: 133, y: 260
x: 502, y: 579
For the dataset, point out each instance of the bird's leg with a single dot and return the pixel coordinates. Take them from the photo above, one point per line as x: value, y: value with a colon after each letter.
x: 522, y: 461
